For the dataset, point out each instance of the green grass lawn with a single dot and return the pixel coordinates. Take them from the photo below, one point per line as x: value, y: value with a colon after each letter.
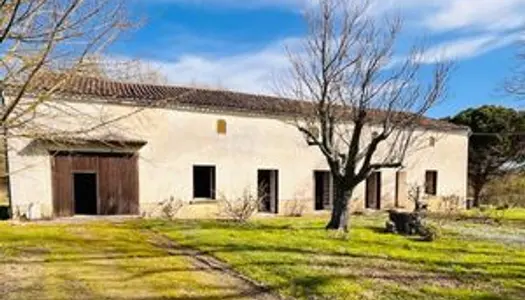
x: 295, y: 257
x: 517, y: 214
x: 98, y: 261
x: 510, y: 215
x: 298, y: 258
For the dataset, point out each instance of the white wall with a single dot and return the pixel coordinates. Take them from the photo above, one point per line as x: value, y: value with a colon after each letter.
x: 179, y: 139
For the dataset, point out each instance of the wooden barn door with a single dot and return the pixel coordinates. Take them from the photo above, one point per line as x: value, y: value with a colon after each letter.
x: 63, y: 204
x: 116, y: 186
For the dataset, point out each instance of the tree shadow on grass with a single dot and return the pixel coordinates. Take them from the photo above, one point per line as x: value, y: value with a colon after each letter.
x: 128, y: 257
x: 77, y: 290
x: 162, y: 225
x: 491, y: 271
x: 377, y: 229
x: 501, y: 270
x: 309, y: 285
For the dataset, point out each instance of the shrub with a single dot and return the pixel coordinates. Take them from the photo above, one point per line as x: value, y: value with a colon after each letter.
x: 239, y: 209
x: 450, y: 204
x: 505, y: 191
x: 489, y: 215
x: 295, y: 207
x: 430, y: 232
x: 418, y: 197
x: 170, y: 207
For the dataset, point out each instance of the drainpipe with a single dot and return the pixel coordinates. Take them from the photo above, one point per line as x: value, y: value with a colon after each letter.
x: 6, y: 158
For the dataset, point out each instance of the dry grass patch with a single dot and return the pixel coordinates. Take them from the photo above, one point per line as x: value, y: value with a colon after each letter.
x: 101, y: 261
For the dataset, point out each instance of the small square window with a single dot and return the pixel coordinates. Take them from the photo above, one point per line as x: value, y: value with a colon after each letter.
x: 204, y: 182
x: 221, y: 127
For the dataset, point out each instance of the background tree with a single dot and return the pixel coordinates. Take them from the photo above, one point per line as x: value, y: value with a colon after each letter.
x: 506, y: 190
x: 496, y: 146
x: 362, y: 97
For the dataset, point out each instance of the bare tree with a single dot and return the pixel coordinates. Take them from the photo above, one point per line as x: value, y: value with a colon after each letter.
x: 43, y: 37
x: 364, y: 103
x: 54, y: 41
x: 36, y: 34
x: 49, y: 39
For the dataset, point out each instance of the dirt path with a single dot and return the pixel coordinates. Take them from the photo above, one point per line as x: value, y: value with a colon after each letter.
x: 248, y: 288
x: 92, y: 260
x: 19, y: 281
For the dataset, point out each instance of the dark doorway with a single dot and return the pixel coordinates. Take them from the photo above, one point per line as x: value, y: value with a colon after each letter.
x: 373, y: 191
x: 268, y: 190
x: 204, y: 182
x: 323, y: 190
x: 85, y: 193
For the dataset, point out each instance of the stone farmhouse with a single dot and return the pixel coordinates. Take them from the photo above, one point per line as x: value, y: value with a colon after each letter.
x: 108, y: 148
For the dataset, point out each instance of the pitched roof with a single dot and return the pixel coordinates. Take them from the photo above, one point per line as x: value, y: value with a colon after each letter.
x: 149, y: 94
x: 139, y: 93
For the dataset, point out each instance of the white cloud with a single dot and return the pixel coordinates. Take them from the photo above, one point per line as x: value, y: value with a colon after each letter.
x: 252, y: 72
x: 493, y: 15
x: 465, y: 48
x: 465, y: 15
x: 437, y: 15
x: 256, y: 71
x: 485, y: 25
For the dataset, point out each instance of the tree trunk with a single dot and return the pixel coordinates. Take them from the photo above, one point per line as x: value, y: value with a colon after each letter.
x: 340, y: 214
x: 477, y: 197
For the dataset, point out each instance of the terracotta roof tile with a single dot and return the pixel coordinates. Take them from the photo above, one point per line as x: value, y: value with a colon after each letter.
x: 114, y: 91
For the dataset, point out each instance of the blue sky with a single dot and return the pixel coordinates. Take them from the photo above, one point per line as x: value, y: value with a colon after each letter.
x: 239, y: 44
